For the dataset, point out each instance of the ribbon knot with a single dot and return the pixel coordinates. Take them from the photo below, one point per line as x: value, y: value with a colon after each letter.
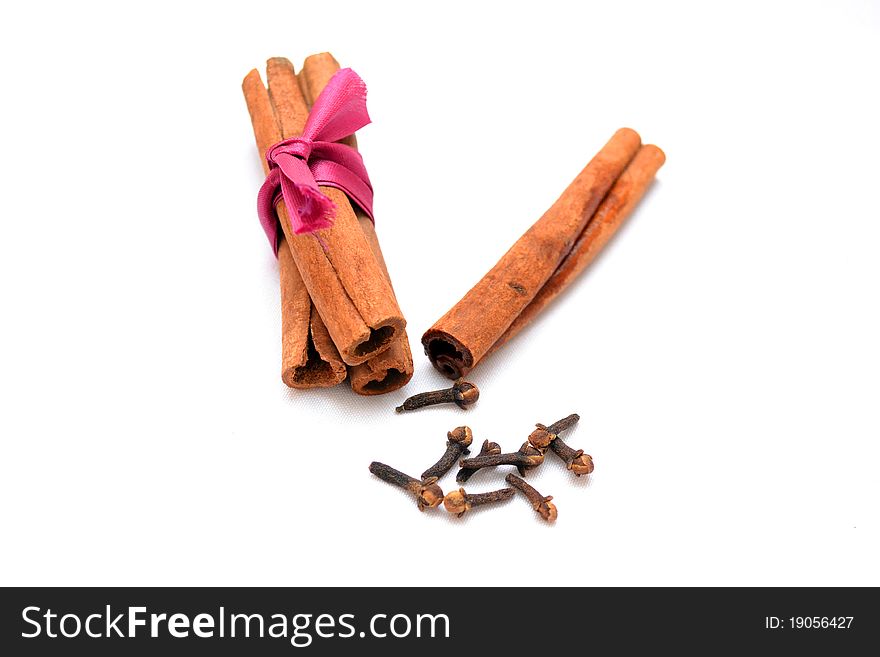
x: 298, y: 165
x: 295, y: 146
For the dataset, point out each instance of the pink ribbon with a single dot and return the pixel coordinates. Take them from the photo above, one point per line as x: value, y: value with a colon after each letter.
x: 297, y: 166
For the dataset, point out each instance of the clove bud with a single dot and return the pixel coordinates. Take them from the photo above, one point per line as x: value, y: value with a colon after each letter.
x: 460, y: 502
x: 541, y: 504
x: 575, y: 459
x: 428, y: 493
x: 542, y: 437
x: 459, y: 440
x: 533, y: 454
x: 462, y: 393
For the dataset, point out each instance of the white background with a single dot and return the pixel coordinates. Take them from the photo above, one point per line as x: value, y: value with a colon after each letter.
x: 722, y: 353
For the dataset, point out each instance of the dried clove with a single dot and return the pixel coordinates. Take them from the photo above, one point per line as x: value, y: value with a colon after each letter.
x: 428, y: 493
x: 535, y: 456
x: 460, y: 502
x: 543, y: 436
x: 459, y: 440
x: 462, y: 393
x: 488, y: 449
x: 543, y: 505
x: 575, y: 459
x: 565, y: 423
x: 519, y: 459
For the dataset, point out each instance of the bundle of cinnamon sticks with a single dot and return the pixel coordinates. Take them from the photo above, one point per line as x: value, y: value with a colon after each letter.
x: 340, y: 317
x: 543, y: 262
x: 339, y: 314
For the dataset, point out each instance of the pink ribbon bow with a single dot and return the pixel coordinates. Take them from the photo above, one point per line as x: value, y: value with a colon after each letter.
x: 297, y: 166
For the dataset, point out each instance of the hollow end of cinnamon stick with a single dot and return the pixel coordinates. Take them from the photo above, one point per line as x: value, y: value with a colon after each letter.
x: 450, y: 356
x: 379, y: 338
x: 393, y: 368
x: 391, y: 379
x: 378, y: 376
x: 309, y: 359
x: 388, y: 371
x: 315, y: 372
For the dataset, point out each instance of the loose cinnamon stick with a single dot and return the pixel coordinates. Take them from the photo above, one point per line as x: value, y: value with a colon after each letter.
x: 345, y: 282
x: 459, y: 339
x: 393, y: 368
x: 309, y: 359
x: 615, y: 208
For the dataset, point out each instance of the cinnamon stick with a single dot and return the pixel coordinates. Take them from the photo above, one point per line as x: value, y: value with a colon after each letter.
x: 615, y: 208
x: 343, y: 278
x: 393, y: 368
x: 309, y: 359
x: 466, y: 333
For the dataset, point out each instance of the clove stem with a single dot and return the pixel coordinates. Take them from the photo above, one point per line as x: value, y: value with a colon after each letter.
x: 543, y: 436
x: 488, y: 449
x: 541, y: 504
x: 460, y: 501
x: 459, y: 439
x: 428, y: 493
x: 575, y: 459
x: 462, y: 393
